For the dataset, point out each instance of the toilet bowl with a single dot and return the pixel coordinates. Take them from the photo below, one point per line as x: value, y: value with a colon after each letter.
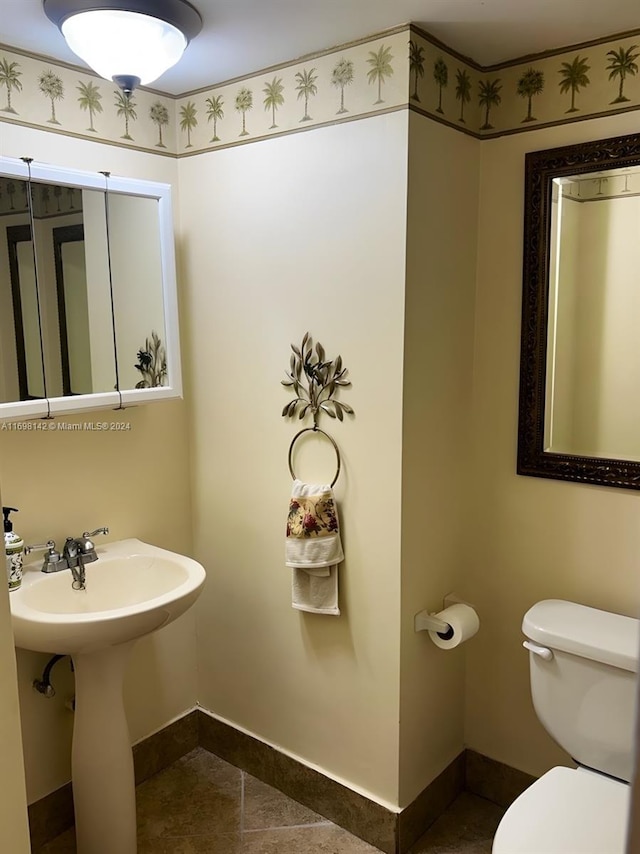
x: 583, y: 665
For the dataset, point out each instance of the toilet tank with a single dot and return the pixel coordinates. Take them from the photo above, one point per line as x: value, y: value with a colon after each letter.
x: 584, y: 693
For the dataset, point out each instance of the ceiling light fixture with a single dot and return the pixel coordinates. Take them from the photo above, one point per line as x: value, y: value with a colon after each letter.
x: 131, y: 42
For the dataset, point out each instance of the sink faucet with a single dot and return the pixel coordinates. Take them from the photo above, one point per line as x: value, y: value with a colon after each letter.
x: 77, y: 552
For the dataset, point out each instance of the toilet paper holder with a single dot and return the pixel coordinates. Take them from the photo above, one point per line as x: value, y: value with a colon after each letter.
x: 426, y: 622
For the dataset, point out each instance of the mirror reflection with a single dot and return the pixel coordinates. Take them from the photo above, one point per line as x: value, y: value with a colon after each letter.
x: 138, y: 295
x: 57, y: 334
x: 69, y: 226
x: 593, y: 356
x: 73, y: 309
x: 21, y: 368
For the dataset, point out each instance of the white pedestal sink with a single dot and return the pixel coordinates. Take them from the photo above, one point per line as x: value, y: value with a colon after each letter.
x: 131, y: 590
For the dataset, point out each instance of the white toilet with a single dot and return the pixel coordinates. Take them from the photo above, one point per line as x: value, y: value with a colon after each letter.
x: 583, y: 665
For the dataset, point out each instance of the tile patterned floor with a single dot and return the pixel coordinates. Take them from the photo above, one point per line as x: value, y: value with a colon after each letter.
x: 203, y: 805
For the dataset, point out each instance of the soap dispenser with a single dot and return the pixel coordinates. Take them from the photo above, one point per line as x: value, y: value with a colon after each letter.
x: 14, y: 549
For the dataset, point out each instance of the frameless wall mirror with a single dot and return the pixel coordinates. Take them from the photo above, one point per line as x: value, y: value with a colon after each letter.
x: 580, y: 356
x: 88, y: 305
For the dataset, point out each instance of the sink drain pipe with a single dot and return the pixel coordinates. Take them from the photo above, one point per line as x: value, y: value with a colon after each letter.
x: 44, y: 686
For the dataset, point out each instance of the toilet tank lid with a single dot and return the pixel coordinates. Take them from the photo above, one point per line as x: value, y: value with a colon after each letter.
x: 587, y: 632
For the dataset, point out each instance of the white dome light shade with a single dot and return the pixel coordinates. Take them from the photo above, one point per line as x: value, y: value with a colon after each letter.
x: 117, y: 43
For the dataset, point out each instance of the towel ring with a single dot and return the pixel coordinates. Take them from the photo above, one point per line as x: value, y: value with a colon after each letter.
x: 313, y: 430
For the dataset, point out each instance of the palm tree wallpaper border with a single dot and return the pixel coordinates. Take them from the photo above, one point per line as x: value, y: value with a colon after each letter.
x: 576, y: 83
x: 36, y: 92
x: 409, y: 68
x: 403, y: 67
x: 338, y: 85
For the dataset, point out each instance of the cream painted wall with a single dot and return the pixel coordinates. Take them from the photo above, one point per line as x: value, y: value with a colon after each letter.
x: 304, y: 232
x: 438, y: 360
x: 135, y: 481
x: 527, y: 538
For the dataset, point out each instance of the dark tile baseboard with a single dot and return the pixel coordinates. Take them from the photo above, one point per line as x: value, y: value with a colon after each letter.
x: 390, y: 831
x: 494, y: 780
x: 354, y: 812
x: 421, y: 813
x: 165, y: 747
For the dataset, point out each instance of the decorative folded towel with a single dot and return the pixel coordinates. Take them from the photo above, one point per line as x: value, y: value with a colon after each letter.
x: 313, y: 548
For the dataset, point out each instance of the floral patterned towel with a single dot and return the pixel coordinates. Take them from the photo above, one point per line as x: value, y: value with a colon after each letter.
x: 313, y: 531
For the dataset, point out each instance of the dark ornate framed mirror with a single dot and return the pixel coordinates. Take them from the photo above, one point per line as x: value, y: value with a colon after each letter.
x: 579, y: 416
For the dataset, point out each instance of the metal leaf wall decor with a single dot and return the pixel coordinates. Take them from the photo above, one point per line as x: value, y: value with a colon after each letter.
x: 315, y: 379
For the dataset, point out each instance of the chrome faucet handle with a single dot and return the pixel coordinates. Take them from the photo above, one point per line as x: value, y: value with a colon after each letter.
x: 97, y: 531
x: 85, y: 550
x: 52, y: 561
x: 40, y: 546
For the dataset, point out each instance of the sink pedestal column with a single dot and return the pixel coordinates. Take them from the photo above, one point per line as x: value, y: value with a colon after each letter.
x: 101, y: 759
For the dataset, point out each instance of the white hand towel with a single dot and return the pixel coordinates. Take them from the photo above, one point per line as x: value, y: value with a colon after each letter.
x: 313, y: 548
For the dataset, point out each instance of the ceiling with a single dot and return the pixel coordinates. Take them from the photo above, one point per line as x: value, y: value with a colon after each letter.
x: 243, y: 36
